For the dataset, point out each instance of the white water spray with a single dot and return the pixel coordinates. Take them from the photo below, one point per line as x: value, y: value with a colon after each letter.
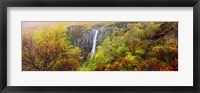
x: 94, y: 43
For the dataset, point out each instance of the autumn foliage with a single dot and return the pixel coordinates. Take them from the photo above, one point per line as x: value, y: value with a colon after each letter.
x: 142, y: 46
x: 48, y: 49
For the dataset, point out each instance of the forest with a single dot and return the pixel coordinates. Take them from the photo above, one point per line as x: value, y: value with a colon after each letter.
x: 100, y: 46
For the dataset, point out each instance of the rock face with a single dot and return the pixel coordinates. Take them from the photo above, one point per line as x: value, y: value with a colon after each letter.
x: 84, y: 39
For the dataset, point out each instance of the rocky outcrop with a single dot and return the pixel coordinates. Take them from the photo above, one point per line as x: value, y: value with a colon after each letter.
x: 84, y: 39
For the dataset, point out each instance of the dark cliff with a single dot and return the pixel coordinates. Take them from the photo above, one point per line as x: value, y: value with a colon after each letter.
x: 83, y: 38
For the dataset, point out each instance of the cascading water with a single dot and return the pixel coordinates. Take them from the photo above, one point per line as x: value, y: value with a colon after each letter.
x: 94, y: 43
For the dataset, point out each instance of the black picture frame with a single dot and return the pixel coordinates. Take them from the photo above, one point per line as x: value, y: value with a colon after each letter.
x: 99, y: 3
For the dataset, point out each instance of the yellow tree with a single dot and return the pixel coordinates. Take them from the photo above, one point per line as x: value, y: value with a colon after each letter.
x: 52, y: 49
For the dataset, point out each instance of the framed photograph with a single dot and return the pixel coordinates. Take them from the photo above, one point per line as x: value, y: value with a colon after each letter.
x: 135, y: 46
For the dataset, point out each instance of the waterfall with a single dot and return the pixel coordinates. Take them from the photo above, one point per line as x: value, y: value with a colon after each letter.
x: 94, y: 42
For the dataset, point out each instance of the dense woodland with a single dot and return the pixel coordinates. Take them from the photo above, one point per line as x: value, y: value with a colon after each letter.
x: 126, y: 46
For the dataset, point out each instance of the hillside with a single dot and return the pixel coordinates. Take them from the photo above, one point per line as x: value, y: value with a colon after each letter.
x: 100, y: 46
